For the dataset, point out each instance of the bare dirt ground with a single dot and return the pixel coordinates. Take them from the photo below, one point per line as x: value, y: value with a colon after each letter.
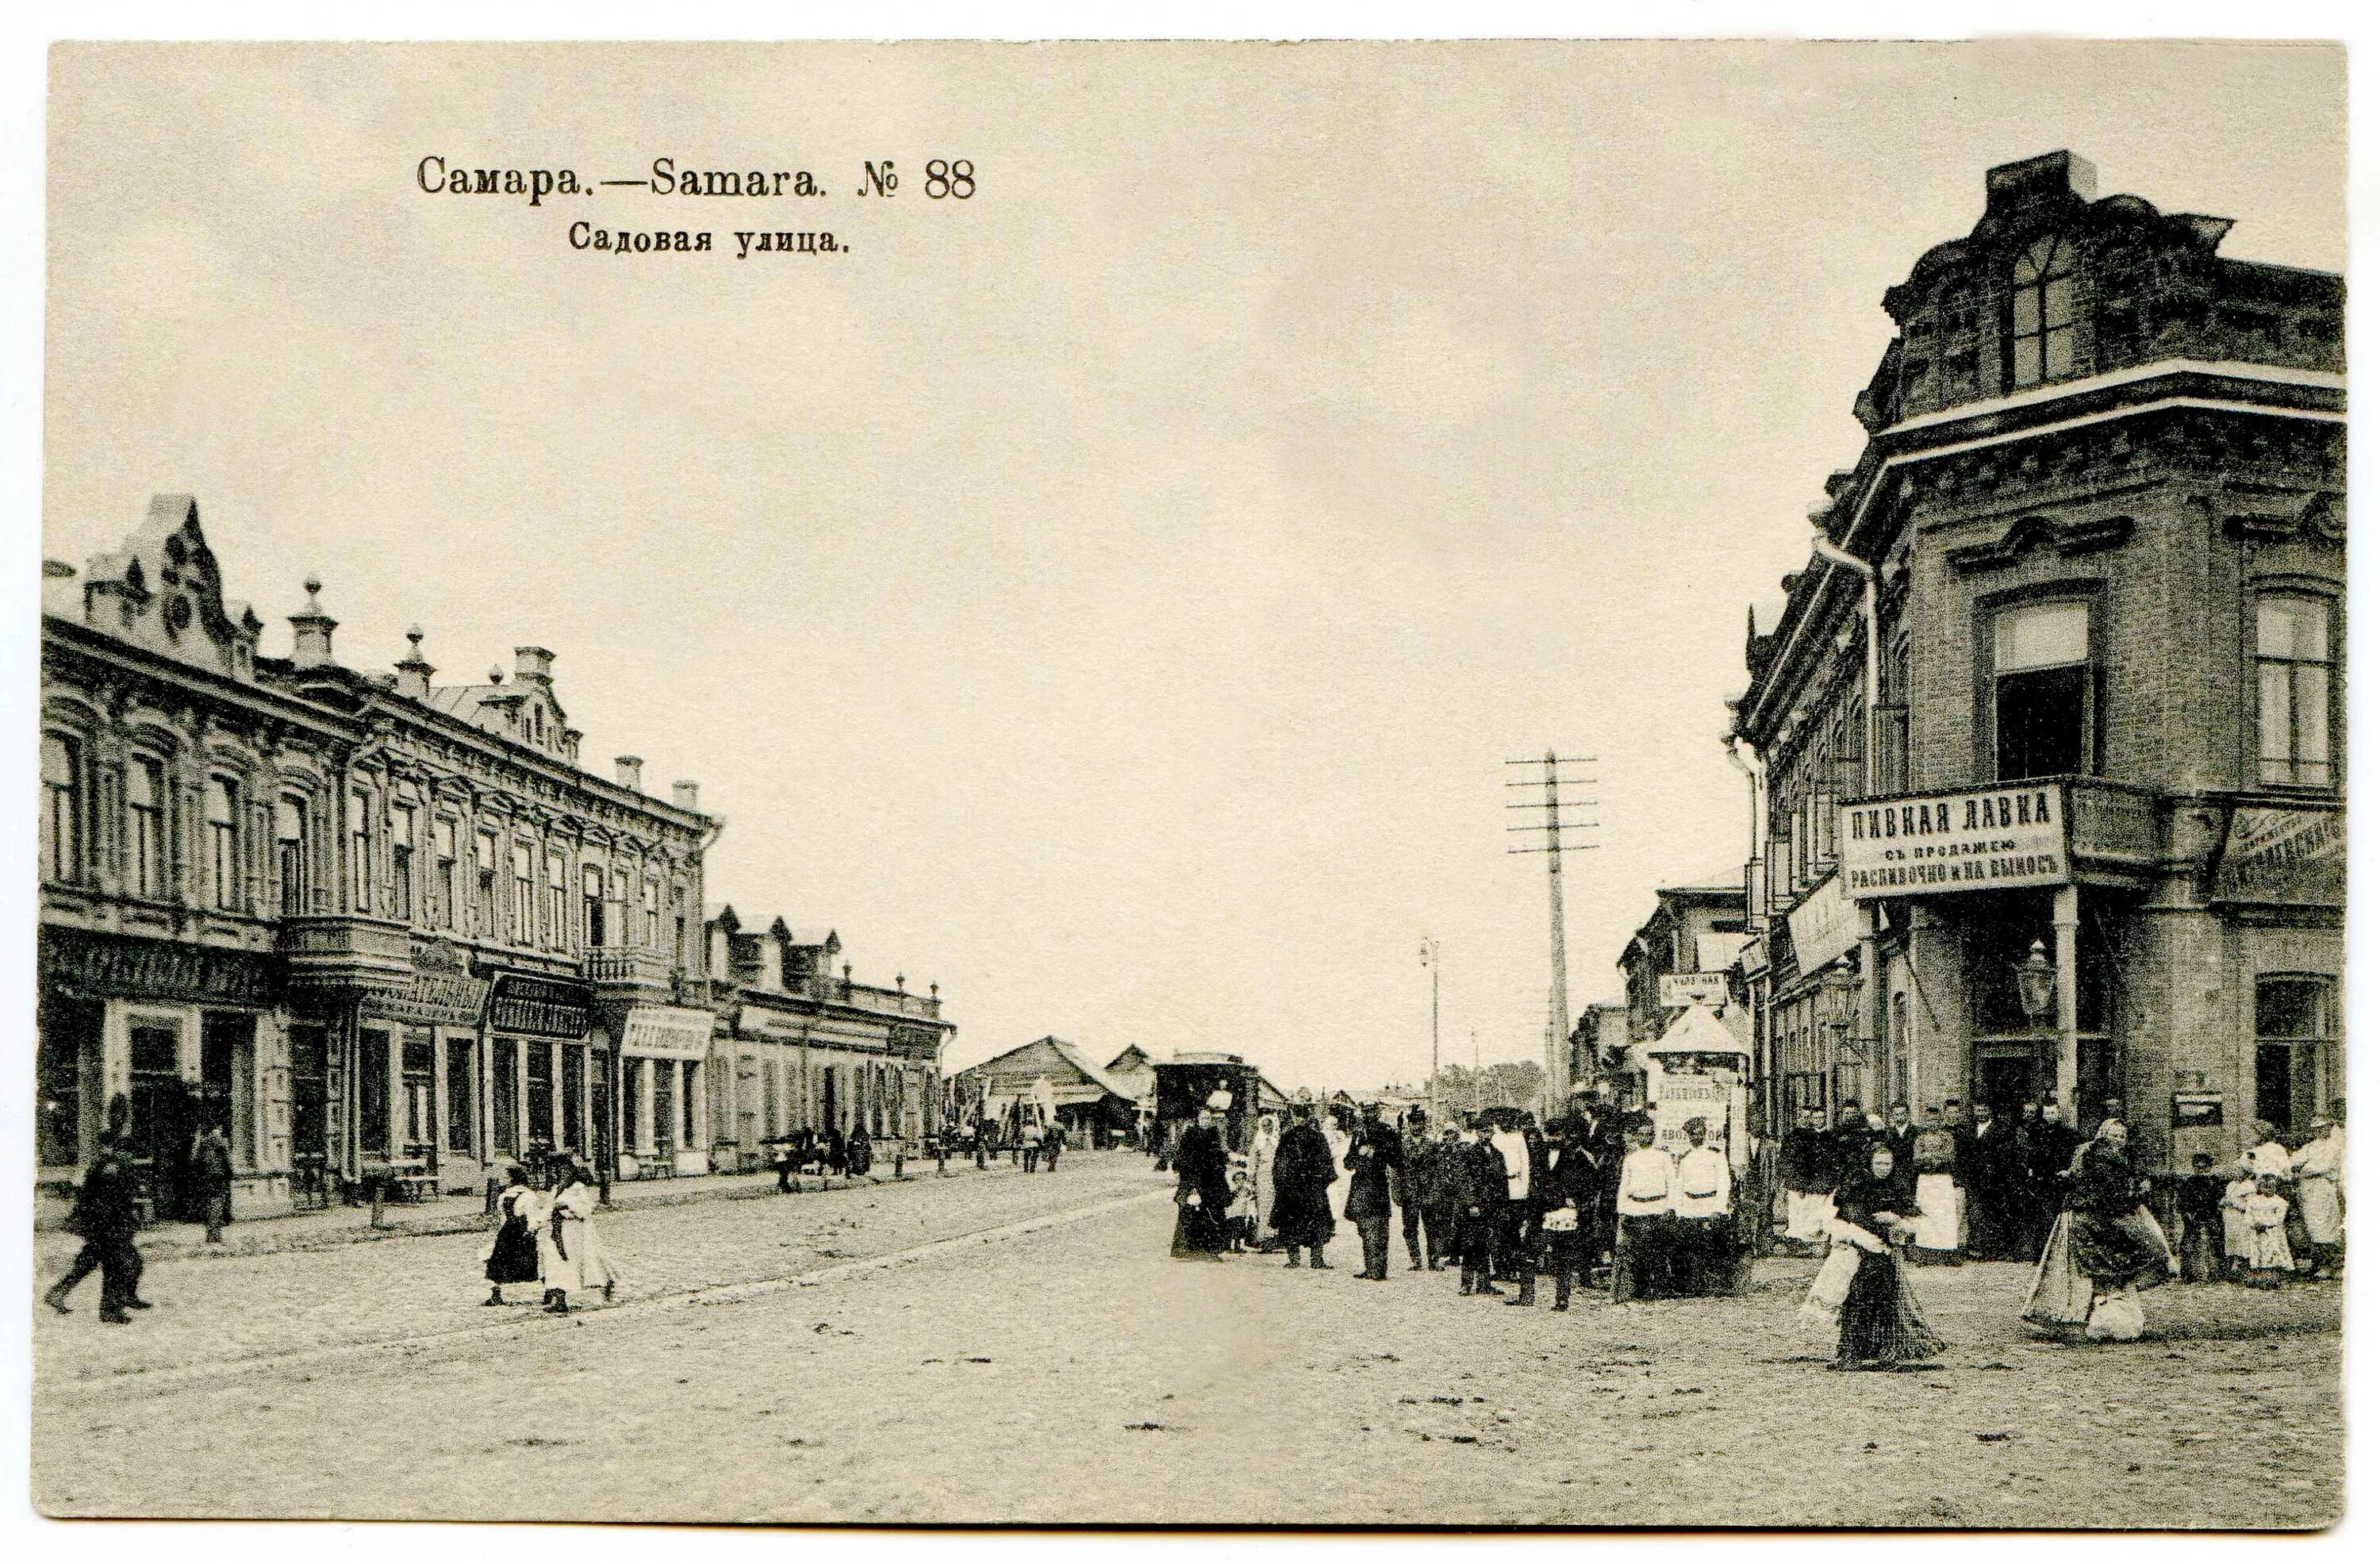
x: 1074, y: 1373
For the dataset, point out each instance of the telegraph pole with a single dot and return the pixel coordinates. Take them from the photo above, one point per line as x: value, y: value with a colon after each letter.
x: 1554, y: 781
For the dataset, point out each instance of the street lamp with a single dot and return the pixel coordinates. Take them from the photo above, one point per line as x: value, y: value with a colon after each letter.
x: 2037, y: 984
x: 1429, y: 960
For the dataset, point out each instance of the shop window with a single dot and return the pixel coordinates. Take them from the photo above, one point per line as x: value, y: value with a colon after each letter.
x: 227, y: 1081
x: 289, y: 851
x: 664, y: 1106
x: 2296, y: 1020
x: 419, y: 1085
x: 541, y: 1094
x: 2042, y: 716
x: 310, y: 1092
x: 144, y: 809
x: 591, y: 891
x: 462, y: 1096
x: 65, y: 1065
x: 359, y: 852
x: 400, y: 862
x: 573, y: 1098
x: 2041, y: 314
x: 371, y: 1091
x: 223, y: 841
x: 2295, y: 690
x: 61, y: 810
x: 503, y: 1098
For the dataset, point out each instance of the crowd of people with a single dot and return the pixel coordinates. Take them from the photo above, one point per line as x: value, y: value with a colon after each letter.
x: 1590, y: 1195
x: 1499, y: 1198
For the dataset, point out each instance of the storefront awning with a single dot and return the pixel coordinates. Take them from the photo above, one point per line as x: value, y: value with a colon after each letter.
x: 1698, y: 1031
x: 665, y: 1031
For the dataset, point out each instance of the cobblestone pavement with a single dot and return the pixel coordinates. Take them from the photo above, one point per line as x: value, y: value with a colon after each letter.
x: 1075, y: 1373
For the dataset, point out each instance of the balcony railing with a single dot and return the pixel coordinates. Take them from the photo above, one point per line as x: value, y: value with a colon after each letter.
x: 626, y: 968
x: 346, y: 948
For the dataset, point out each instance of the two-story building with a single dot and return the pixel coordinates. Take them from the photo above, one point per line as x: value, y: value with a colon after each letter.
x: 1684, y: 954
x: 2049, y: 733
x: 796, y: 1045
x: 365, y: 921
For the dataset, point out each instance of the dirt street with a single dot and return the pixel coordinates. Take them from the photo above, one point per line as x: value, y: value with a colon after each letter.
x: 777, y: 1361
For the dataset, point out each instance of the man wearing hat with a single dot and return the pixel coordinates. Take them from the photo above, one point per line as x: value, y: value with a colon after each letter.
x: 1413, y: 1186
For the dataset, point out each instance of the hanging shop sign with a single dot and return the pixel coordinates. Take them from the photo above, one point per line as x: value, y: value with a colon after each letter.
x: 442, y: 991
x: 1681, y: 989
x: 1995, y: 838
x: 538, y: 1007
x: 2298, y: 856
x: 665, y: 1031
x: 2198, y: 1111
x: 1825, y: 924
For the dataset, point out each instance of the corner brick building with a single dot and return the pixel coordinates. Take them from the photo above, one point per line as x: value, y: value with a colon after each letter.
x: 2076, y: 827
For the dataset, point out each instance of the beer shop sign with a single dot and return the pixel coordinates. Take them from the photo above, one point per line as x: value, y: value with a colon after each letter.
x: 1993, y: 838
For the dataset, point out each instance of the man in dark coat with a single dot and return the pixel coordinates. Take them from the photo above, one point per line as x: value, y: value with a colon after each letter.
x: 1373, y: 1157
x: 1805, y: 1165
x: 1987, y: 1162
x: 2050, y: 1152
x: 1901, y: 1134
x: 105, y: 1216
x: 1570, y: 1188
x: 1202, y: 1189
x: 1416, y: 1169
x: 1850, y: 1141
x: 211, y: 1175
x: 1302, y: 1177
x: 1479, y: 1179
x: 1442, y: 1193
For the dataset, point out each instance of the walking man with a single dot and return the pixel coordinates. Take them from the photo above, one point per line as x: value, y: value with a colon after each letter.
x: 1301, y: 1179
x: 105, y: 1216
x: 211, y: 1172
x: 1030, y: 1138
x: 1373, y: 1156
x: 1570, y: 1188
x: 1052, y: 1142
x: 1478, y: 1177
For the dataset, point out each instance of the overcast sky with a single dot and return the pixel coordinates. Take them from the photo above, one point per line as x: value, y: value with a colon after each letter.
x: 1110, y: 597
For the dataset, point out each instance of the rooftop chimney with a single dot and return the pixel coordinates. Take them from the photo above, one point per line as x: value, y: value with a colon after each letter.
x: 631, y: 772
x: 2050, y: 177
x: 686, y: 794
x: 413, y: 674
x: 532, y: 665
x: 311, y: 646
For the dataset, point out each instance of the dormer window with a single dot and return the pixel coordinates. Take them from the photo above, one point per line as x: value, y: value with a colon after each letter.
x: 2041, y: 322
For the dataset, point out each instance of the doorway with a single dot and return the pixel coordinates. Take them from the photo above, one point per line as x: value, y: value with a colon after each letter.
x: 2006, y: 1077
x: 162, y: 1117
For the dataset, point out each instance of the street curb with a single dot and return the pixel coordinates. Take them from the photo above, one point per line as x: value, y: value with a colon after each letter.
x: 724, y: 1292
x: 243, y: 1247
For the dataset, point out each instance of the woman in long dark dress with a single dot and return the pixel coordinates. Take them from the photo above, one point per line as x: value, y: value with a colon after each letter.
x: 1303, y: 1172
x: 2102, y: 1247
x: 1202, y: 1189
x: 1881, y: 1324
x: 512, y: 1256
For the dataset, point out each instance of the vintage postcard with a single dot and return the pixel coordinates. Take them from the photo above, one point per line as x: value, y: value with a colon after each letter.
x: 1416, y: 785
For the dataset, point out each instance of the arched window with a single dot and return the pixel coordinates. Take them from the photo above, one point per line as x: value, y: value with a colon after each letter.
x: 2041, y: 322
x: 61, y: 808
x: 144, y: 807
x: 222, y: 842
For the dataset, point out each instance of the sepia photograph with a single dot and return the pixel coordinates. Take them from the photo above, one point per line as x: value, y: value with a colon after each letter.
x: 1426, y: 785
